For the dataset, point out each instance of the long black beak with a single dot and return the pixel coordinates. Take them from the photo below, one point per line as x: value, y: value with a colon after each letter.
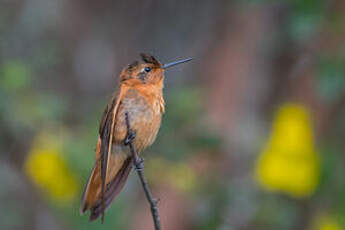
x: 168, y: 65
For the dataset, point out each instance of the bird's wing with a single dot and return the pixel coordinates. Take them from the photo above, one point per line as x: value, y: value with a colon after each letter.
x: 103, y: 155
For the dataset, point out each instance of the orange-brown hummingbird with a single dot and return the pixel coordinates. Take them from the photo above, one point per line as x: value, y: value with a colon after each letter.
x: 140, y: 96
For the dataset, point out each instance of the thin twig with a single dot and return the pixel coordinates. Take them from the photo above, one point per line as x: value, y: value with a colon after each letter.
x: 139, y: 167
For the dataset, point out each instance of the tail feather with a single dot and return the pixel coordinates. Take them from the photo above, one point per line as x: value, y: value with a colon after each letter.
x: 84, y: 204
x: 92, y: 199
x: 112, y: 190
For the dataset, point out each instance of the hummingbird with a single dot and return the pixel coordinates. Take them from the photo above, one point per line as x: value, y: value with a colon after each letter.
x: 140, y: 97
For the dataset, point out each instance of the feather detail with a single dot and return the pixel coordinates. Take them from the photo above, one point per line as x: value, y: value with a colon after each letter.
x: 98, y: 177
x: 106, y: 154
x: 112, y: 190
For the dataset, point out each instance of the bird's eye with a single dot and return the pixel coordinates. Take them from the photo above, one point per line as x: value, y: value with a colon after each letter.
x: 147, y: 69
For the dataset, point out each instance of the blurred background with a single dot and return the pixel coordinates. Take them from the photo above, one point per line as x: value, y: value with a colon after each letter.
x: 252, y: 137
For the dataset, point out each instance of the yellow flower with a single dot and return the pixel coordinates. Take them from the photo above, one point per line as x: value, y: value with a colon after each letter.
x: 288, y: 161
x: 326, y: 223
x: 49, y: 171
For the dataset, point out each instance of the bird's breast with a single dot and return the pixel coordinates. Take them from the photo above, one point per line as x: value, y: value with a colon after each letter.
x: 144, y: 117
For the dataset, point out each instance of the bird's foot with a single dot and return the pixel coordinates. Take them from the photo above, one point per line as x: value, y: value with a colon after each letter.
x: 130, y: 137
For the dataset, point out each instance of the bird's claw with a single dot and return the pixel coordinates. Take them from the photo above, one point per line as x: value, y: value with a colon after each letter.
x: 130, y: 137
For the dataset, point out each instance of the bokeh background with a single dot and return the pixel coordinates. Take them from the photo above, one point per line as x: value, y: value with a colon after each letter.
x: 252, y: 138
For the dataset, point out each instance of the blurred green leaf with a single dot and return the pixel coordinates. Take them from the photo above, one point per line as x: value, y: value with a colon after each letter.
x: 308, y: 6
x: 16, y: 75
x: 331, y: 77
x: 185, y: 103
x: 305, y: 19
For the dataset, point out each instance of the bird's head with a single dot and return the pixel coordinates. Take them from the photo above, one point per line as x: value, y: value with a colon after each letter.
x: 149, y: 71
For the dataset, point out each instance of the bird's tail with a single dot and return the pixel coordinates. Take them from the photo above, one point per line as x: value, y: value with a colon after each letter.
x: 117, y: 174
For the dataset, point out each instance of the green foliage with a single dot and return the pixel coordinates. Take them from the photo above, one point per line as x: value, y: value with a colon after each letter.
x: 306, y: 16
x: 331, y: 77
x: 15, y: 75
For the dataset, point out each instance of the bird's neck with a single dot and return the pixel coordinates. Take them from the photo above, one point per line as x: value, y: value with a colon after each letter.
x: 153, y: 93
